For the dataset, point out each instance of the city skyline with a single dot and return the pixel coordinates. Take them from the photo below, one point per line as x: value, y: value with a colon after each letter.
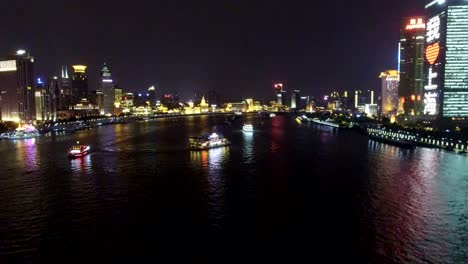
x: 248, y: 48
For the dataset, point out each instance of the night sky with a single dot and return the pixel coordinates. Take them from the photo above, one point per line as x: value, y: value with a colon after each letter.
x: 238, y: 48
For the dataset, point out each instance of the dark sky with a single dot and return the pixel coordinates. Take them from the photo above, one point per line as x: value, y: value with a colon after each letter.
x: 236, y: 47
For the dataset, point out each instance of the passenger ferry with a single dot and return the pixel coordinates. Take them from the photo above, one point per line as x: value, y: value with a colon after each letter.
x: 328, y: 122
x: 24, y: 132
x: 213, y: 141
x: 248, y: 128
x: 78, y: 151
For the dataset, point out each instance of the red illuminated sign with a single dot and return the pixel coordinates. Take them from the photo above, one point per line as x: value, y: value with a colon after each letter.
x: 416, y: 23
x: 278, y: 86
x: 432, y: 53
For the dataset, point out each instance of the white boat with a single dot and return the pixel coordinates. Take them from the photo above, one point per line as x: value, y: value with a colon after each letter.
x: 24, y: 132
x: 248, y: 128
x: 272, y: 115
x: 203, y: 143
x: 326, y: 123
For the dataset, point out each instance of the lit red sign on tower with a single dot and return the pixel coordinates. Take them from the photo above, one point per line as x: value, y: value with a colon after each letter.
x: 278, y: 86
x: 416, y: 23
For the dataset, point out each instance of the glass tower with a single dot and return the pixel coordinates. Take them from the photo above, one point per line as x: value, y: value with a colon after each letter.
x: 411, y: 63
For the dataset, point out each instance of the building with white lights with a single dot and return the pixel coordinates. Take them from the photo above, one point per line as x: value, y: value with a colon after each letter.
x: 17, y: 88
x: 446, y: 54
x: 389, y: 86
x: 107, y: 88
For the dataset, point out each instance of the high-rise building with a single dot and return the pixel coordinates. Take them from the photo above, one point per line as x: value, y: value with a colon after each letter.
x: 107, y: 88
x: 295, y: 97
x: 152, y: 96
x: 40, y: 100
x: 79, y: 84
x: 52, y: 98
x: 446, y: 50
x: 118, y: 93
x: 17, y: 88
x: 98, y: 100
x: 65, y: 90
x: 411, y: 65
x: 390, y: 80
x: 280, y: 94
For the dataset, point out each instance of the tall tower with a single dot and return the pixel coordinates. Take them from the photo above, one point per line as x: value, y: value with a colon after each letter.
x: 152, y: 96
x: 279, y: 93
x: 390, y: 80
x: 17, y: 88
x: 295, y: 97
x: 79, y: 84
x: 107, y: 88
x: 65, y: 90
x: 411, y: 65
x: 446, y: 50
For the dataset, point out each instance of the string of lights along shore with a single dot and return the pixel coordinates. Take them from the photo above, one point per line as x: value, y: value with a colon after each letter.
x: 428, y: 84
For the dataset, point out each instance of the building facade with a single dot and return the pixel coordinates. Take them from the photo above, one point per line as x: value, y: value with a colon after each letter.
x: 79, y: 84
x: 446, y: 53
x: 411, y: 65
x: 17, y: 88
x: 65, y: 90
x: 107, y: 88
x: 389, y: 92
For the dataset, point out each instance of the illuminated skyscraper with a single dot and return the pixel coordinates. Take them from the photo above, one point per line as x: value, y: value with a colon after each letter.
x: 17, y: 88
x: 389, y: 92
x: 79, y: 84
x: 65, y: 90
x: 152, y: 96
x: 107, y: 88
x: 411, y: 65
x: 295, y: 97
x: 52, y: 98
x: 446, y: 50
x: 280, y: 94
x: 40, y: 100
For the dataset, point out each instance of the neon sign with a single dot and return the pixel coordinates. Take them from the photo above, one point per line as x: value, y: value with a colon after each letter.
x: 278, y: 86
x: 433, y: 29
x: 432, y: 54
x: 430, y: 100
x: 416, y: 24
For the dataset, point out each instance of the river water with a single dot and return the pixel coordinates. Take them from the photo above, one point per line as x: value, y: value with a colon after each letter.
x: 287, y: 191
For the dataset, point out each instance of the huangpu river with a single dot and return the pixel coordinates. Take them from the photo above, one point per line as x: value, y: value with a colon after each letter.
x: 289, y: 192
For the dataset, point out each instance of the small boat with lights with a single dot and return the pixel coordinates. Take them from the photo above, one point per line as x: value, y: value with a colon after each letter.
x: 78, y: 151
x: 248, y: 128
x: 212, y: 141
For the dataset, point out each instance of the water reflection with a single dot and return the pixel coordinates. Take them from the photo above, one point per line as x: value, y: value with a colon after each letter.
x: 27, y: 153
x: 277, y: 133
x: 248, y: 148
x: 212, y: 162
x: 82, y: 164
x: 407, y: 207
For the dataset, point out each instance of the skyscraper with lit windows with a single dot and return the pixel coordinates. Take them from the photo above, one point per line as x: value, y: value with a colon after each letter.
x: 17, y: 87
x: 107, y: 89
x: 411, y: 65
x: 446, y: 54
x: 390, y: 80
x: 79, y: 84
